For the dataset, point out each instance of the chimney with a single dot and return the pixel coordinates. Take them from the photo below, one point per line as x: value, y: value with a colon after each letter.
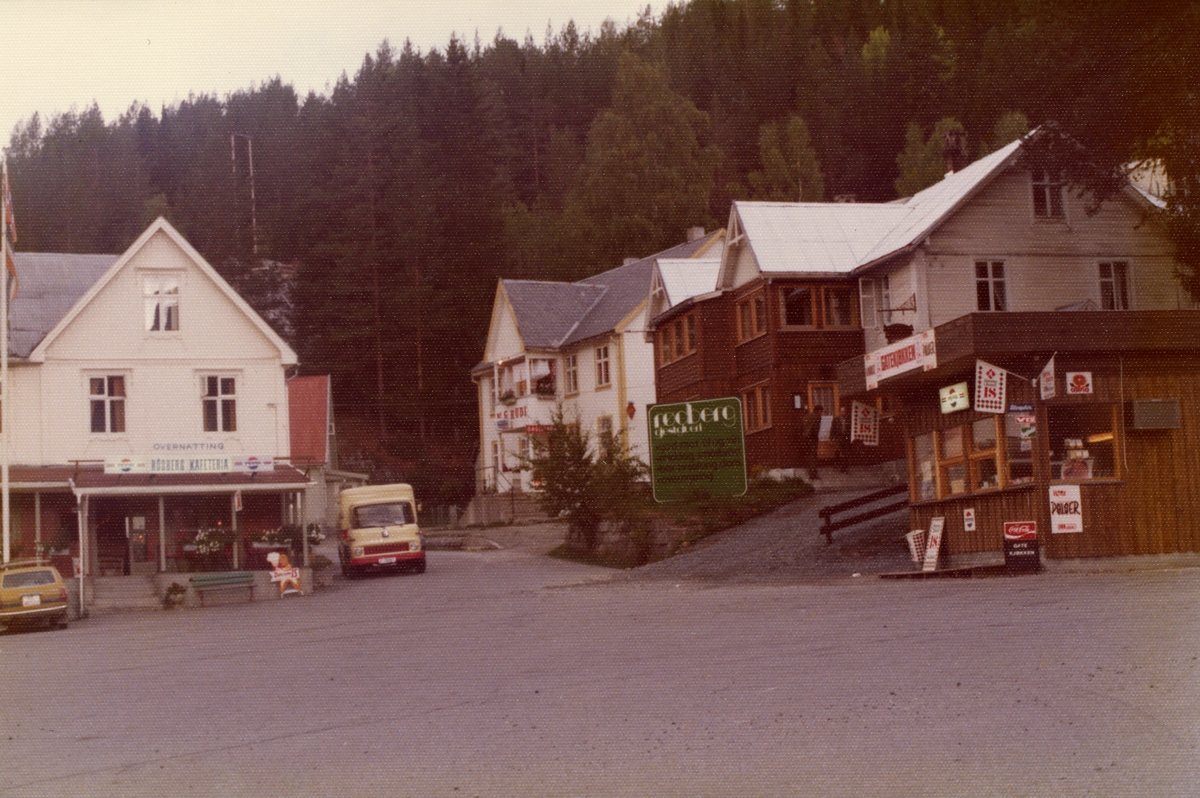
x: 954, y: 150
x: 695, y: 234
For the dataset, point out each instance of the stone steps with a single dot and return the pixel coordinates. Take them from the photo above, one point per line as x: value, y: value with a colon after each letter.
x: 124, y: 593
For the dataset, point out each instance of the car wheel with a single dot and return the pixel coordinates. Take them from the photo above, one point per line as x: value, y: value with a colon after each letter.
x: 62, y: 622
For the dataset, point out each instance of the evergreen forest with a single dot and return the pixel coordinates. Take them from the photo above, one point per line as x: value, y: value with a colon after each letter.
x: 389, y: 208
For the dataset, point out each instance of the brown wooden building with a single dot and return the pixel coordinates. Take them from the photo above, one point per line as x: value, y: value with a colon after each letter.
x: 1108, y: 465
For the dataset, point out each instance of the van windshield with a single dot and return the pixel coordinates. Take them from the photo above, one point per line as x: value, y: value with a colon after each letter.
x: 389, y: 514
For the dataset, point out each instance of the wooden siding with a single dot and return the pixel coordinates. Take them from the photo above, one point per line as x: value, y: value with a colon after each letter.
x: 1048, y: 263
x: 1150, y: 508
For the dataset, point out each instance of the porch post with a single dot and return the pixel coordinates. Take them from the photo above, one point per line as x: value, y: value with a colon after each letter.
x: 37, y: 520
x: 162, y: 534
x: 237, y: 532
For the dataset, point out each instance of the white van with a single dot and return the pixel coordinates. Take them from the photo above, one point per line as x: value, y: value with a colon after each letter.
x: 379, y: 530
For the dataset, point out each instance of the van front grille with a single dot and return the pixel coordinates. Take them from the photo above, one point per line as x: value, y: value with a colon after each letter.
x: 385, y: 548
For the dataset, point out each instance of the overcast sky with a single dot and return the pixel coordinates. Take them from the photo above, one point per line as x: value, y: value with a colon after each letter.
x: 59, y: 55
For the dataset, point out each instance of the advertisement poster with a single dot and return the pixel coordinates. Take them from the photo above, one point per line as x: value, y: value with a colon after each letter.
x: 990, y: 388
x: 1021, y: 546
x: 1066, y: 509
x: 1046, y: 381
x: 933, y: 547
x: 1079, y: 383
x: 697, y: 446
x: 864, y: 424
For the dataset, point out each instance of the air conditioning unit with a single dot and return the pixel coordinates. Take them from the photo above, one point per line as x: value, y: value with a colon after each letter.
x: 1153, y: 414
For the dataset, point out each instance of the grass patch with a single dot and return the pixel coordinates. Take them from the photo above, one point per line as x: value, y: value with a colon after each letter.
x: 692, y: 519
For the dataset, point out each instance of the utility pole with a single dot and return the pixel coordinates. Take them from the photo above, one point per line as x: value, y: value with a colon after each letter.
x: 233, y: 137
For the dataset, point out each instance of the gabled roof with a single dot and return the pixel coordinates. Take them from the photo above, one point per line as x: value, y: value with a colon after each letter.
x: 551, y: 315
x: 49, y: 285
x: 159, y: 226
x: 838, y: 238
x: 684, y: 278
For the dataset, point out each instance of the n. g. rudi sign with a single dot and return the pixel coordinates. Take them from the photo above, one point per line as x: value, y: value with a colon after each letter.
x: 200, y: 463
x: 914, y: 352
x: 697, y: 447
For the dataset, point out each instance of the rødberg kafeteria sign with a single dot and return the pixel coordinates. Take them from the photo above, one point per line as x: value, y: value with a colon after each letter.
x: 697, y: 447
x: 199, y: 463
x: 914, y: 352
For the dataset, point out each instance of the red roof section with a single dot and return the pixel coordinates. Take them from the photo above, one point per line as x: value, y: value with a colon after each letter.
x: 308, y: 413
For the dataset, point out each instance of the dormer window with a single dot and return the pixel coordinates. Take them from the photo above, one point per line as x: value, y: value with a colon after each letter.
x: 1048, y: 191
x: 161, y: 303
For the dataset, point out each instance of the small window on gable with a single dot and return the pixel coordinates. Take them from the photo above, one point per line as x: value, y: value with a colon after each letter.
x: 1114, y: 285
x: 1048, y: 191
x: 160, y: 298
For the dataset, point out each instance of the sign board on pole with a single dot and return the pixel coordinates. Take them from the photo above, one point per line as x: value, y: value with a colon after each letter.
x: 933, y: 547
x: 1021, y: 546
x: 915, y: 352
x: 697, y: 447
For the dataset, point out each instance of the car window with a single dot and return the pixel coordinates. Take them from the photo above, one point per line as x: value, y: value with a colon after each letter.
x: 28, y: 579
x: 369, y: 515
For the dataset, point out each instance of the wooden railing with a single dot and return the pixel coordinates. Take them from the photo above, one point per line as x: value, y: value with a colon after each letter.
x: 829, y: 526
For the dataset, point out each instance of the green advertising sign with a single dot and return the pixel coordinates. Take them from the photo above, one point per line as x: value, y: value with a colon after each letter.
x: 697, y: 447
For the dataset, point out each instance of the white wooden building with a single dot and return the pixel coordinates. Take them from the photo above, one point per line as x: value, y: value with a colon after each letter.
x: 149, y: 401
x: 580, y: 345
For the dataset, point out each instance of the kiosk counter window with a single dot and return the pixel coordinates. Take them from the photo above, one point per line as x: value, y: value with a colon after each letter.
x: 981, y: 455
x: 1083, y: 442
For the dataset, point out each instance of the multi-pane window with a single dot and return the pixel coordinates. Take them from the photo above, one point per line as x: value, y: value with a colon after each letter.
x: 571, y: 374
x: 866, y: 302
x: 752, y: 317
x: 1083, y: 441
x: 1048, y: 190
x: 542, y: 376
x: 677, y: 339
x: 161, y: 303
x: 107, y: 397
x: 756, y: 407
x: 990, y: 290
x: 604, y: 435
x: 220, y: 404
x: 603, y: 376
x: 818, y: 306
x: 1114, y: 285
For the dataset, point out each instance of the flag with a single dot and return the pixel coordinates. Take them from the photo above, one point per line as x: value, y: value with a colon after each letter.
x: 990, y: 387
x: 10, y: 237
x: 1046, y: 380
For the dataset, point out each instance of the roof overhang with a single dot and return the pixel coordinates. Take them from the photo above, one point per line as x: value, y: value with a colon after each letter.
x: 1022, y: 343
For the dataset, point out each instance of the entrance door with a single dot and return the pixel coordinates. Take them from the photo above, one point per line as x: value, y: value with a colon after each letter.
x: 141, y: 550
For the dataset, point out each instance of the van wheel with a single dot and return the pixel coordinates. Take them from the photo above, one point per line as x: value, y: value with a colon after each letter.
x: 349, y: 572
x: 419, y: 568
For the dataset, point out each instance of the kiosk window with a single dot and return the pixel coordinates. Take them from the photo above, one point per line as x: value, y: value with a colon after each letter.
x: 1083, y: 442
x: 957, y: 460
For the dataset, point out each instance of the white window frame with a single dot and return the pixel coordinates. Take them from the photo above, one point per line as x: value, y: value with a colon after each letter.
x: 1048, y: 189
x: 161, y: 300
x: 109, y: 402
x: 603, y: 367
x: 1120, y: 287
x: 866, y: 303
x: 571, y: 375
x: 992, y: 281
x: 223, y: 402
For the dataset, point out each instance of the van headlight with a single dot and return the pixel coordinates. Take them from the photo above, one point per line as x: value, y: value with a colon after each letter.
x: 357, y: 551
x: 416, y: 545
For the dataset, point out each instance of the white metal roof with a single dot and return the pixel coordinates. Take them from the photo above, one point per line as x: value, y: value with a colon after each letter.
x: 837, y: 238
x: 814, y: 237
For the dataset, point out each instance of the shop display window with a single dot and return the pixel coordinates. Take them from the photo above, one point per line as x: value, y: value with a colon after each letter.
x: 924, y: 468
x: 957, y: 460
x: 1083, y: 442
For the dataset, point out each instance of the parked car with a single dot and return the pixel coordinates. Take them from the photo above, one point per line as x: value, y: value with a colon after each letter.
x: 379, y: 530
x: 31, y: 593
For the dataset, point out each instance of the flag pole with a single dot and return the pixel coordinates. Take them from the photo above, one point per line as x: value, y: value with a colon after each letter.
x: 5, y: 395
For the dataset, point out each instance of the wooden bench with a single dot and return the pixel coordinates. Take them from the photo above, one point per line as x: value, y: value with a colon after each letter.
x: 223, y: 580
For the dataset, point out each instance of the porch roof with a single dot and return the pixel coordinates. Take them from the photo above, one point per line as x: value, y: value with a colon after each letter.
x: 90, y: 479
